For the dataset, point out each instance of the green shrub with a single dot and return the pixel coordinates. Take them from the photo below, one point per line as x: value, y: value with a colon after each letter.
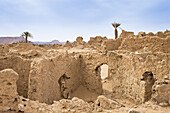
x: 67, y: 41
x: 41, y: 45
x: 18, y: 42
x: 14, y: 43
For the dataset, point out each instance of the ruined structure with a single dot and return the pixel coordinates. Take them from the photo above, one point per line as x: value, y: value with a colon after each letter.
x: 71, y: 78
x: 126, y: 34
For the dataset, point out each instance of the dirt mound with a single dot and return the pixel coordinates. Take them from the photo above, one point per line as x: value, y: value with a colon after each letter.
x: 24, y: 46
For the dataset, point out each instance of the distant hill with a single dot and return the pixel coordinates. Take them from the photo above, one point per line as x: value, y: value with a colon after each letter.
x: 10, y: 40
x: 52, y: 42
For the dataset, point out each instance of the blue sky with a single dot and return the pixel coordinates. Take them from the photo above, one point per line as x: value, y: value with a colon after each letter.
x: 66, y: 19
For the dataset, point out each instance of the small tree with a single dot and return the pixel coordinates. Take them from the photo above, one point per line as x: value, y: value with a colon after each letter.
x: 67, y: 41
x: 26, y: 35
x: 116, y: 25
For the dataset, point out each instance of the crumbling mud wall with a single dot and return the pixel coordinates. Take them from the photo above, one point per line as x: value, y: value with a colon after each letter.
x: 145, y: 44
x: 79, y: 42
x: 130, y: 69
x: 45, y: 74
x: 125, y: 72
x: 161, y: 91
x: 96, y: 42
x: 91, y: 75
x: 116, y: 81
x: 8, y: 90
x: 126, y: 34
x: 113, y: 44
x: 22, y: 67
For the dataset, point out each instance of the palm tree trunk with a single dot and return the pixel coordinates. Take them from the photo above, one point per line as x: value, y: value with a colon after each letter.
x: 26, y: 39
x: 116, y: 33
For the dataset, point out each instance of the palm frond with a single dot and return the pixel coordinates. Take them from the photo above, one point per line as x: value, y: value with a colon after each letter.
x: 26, y: 34
x: 115, y: 25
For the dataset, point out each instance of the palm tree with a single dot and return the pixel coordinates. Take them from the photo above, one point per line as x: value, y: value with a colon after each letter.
x: 26, y: 35
x: 116, y: 25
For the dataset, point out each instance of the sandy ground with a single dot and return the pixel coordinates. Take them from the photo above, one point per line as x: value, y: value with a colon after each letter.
x: 83, y: 93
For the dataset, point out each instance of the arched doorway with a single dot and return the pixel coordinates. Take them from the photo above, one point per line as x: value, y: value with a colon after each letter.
x: 104, y: 71
x: 148, y: 81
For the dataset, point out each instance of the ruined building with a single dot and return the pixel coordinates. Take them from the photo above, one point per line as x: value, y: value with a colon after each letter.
x: 103, y: 75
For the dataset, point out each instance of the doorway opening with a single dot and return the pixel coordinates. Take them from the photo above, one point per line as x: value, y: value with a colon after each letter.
x: 104, y: 71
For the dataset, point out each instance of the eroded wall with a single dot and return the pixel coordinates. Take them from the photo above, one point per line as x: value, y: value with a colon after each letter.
x: 145, y: 44
x: 45, y: 73
x: 8, y: 90
x: 91, y: 76
x: 126, y: 34
x: 22, y: 67
x: 125, y: 71
x: 130, y: 69
x: 113, y: 44
x: 161, y: 91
